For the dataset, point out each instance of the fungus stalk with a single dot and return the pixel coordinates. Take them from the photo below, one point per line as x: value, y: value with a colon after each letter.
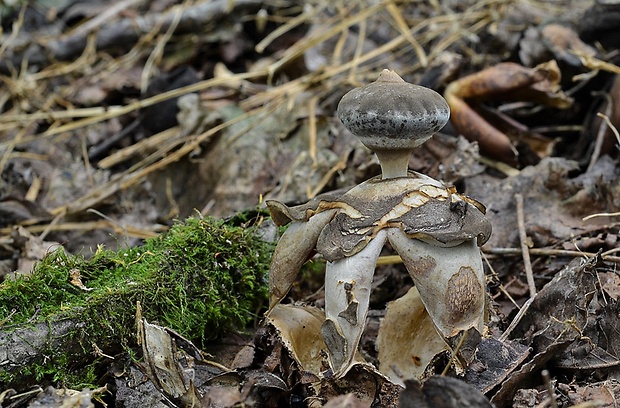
x: 394, y: 163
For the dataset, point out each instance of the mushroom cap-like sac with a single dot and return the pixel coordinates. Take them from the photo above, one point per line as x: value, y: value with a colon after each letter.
x: 423, y: 208
x: 391, y: 114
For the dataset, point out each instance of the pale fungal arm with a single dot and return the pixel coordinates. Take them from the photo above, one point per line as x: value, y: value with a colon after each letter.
x: 347, y: 295
x: 450, y: 281
x: 293, y: 250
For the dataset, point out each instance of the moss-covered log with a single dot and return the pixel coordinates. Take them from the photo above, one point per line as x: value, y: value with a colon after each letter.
x: 201, y: 278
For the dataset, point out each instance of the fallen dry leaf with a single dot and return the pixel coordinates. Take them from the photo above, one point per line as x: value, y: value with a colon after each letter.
x: 407, y: 341
x: 610, y: 283
x: 502, y: 82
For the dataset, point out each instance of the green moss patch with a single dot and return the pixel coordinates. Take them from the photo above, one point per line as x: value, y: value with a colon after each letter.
x: 202, y: 278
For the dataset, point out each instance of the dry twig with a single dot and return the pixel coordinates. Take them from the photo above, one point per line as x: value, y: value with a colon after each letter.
x: 529, y: 274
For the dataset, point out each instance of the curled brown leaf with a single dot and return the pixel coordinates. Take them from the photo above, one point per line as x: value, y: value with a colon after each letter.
x: 508, y: 82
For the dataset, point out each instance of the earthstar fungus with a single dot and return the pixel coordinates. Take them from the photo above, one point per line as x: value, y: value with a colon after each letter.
x: 435, y: 230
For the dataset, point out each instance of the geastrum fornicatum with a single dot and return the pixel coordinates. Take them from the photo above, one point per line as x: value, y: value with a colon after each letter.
x: 435, y: 231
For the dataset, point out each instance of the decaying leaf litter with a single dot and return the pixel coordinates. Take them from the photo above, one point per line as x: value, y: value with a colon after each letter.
x: 249, y: 92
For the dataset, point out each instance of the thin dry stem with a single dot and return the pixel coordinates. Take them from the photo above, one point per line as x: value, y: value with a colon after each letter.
x: 108, y: 14
x: 16, y: 29
x: 339, y: 166
x: 550, y: 391
x: 611, y: 125
x: 529, y: 274
x: 405, y: 31
x: 589, y: 217
x: 307, y: 15
x: 132, y: 231
x: 600, y: 135
x: 506, y: 334
x: 158, y: 52
x: 502, y: 287
x: 167, y: 137
x: 395, y: 259
x: 312, y: 128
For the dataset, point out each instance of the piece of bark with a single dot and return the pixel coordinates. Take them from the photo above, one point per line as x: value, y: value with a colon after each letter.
x: 28, y: 344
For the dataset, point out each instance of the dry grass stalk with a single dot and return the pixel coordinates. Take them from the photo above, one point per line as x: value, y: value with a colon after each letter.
x: 523, y: 239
